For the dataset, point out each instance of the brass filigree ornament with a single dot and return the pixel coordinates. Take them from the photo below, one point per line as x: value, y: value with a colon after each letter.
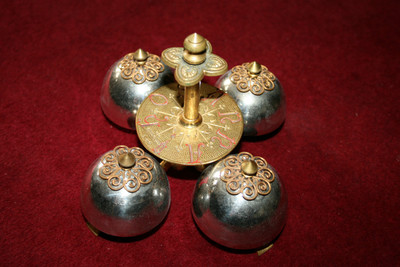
x: 256, y: 83
x: 140, y: 71
x: 191, y: 63
x: 250, y: 186
x: 129, y: 178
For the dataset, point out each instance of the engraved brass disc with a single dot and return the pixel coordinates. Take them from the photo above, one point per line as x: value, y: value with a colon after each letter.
x: 163, y: 134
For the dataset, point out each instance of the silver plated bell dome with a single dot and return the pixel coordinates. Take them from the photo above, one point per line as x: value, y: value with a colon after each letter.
x: 259, y: 96
x: 125, y: 193
x: 128, y: 82
x: 240, y: 202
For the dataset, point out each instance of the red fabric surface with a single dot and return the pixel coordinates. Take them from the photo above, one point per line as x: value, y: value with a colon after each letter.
x: 338, y: 152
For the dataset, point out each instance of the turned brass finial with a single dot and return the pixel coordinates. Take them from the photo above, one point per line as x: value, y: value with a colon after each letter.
x: 126, y: 160
x: 195, y: 43
x: 249, y: 167
x: 254, y: 68
x: 140, y: 56
x: 194, y: 49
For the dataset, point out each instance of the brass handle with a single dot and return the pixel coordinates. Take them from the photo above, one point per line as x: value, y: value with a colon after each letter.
x: 192, y: 62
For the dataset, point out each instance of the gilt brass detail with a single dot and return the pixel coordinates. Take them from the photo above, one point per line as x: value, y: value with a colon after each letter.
x: 193, y: 62
x: 238, y: 182
x: 247, y: 77
x: 140, y: 56
x: 159, y: 126
x: 130, y: 178
x: 195, y: 43
x: 140, y: 67
x: 249, y: 167
x: 190, y: 109
x: 93, y: 229
x: 126, y: 160
x: 264, y: 250
x: 195, y: 47
x: 254, y: 68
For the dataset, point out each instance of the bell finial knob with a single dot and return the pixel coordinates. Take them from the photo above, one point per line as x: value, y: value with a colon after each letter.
x: 254, y: 68
x: 249, y: 168
x: 126, y: 160
x: 140, y: 55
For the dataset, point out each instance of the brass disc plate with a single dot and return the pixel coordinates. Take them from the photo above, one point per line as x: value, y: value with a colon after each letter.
x: 161, y: 132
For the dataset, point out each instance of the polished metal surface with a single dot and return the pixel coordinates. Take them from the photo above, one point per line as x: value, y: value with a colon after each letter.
x: 262, y: 114
x: 120, y: 212
x: 233, y: 221
x: 120, y: 98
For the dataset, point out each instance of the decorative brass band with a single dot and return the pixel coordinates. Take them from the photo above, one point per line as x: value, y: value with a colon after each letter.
x: 257, y: 84
x: 129, y: 178
x: 249, y: 186
x: 190, y: 74
x: 139, y: 72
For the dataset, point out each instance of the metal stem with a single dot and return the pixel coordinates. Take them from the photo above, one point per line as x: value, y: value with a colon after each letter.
x: 191, y: 104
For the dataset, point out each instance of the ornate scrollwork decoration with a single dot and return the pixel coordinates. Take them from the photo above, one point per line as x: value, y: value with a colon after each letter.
x: 129, y: 178
x: 257, y: 84
x: 139, y: 73
x: 189, y: 74
x: 237, y: 182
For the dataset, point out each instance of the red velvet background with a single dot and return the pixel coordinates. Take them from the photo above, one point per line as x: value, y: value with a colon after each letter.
x: 338, y: 152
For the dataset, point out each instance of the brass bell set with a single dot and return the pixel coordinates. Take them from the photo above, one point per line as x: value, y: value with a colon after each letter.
x: 239, y: 200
